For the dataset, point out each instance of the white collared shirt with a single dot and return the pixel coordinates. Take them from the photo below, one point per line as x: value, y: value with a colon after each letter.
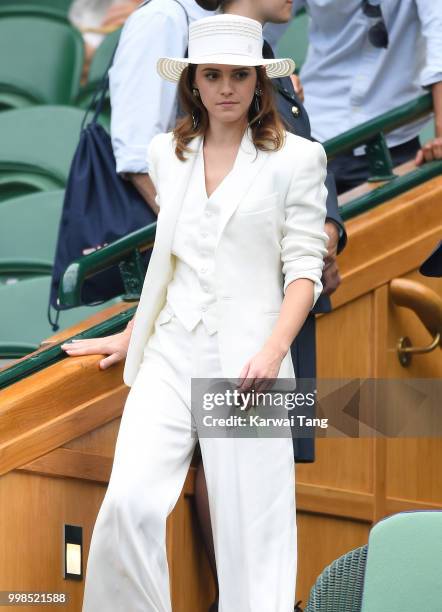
x: 192, y: 293
x: 144, y: 104
x: 348, y: 81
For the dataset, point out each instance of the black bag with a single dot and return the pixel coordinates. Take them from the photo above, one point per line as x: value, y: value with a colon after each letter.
x: 99, y: 207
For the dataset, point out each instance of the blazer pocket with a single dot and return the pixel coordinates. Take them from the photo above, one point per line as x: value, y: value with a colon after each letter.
x: 262, y: 205
x: 165, y: 316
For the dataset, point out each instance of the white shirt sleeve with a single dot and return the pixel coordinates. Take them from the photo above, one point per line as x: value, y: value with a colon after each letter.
x: 143, y: 104
x: 430, y: 16
x: 304, y: 242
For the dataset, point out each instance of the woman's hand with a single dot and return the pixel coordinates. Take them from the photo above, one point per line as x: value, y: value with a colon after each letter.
x: 115, y: 346
x: 264, y: 367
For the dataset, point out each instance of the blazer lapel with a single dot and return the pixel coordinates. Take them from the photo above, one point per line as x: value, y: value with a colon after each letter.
x: 248, y: 164
x: 179, y: 173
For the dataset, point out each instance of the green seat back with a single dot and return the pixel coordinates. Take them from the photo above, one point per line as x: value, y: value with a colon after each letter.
x: 36, y: 148
x: 28, y: 233
x: 99, y: 65
x: 102, y: 57
x: 56, y: 6
x: 339, y: 587
x: 294, y: 42
x: 23, y: 320
x: 404, y: 564
x: 41, y: 56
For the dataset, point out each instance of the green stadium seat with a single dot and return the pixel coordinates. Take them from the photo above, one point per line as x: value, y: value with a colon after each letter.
x: 294, y: 42
x: 36, y: 148
x: 99, y: 65
x: 24, y: 324
x: 28, y: 234
x: 404, y: 563
x: 398, y: 570
x: 339, y: 587
x: 41, y: 58
x: 52, y: 6
x: 103, y: 56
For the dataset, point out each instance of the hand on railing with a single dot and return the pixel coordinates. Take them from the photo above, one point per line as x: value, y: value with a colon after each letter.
x: 431, y: 151
x: 114, y: 346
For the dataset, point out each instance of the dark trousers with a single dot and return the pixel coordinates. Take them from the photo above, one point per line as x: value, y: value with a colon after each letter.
x: 303, y: 352
x: 351, y: 170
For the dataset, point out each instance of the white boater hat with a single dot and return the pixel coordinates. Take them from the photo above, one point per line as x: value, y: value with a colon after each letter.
x: 224, y: 39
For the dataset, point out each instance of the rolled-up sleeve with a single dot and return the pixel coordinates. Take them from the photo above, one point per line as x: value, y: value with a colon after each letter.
x: 143, y: 104
x: 304, y: 242
x: 430, y: 16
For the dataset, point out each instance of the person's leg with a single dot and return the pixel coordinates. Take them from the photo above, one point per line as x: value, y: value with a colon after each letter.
x: 303, y: 352
x: 127, y: 566
x: 251, y: 484
x: 251, y: 488
x: 405, y: 152
x: 351, y: 170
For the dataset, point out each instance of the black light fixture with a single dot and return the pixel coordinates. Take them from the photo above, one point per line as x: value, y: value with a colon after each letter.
x: 72, y: 552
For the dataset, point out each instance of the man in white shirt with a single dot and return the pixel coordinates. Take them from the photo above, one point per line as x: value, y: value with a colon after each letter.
x: 142, y: 103
x: 364, y: 59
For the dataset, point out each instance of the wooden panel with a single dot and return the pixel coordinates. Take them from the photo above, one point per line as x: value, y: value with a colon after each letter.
x: 332, y: 501
x: 389, y: 241
x: 320, y: 541
x: 414, y: 473
x: 33, y: 532
x: 192, y: 583
x: 37, y: 440
x: 346, y: 354
x: 35, y: 561
x: 101, y: 440
x: 65, y: 463
x: 414, y: 469
x: 403, y: 322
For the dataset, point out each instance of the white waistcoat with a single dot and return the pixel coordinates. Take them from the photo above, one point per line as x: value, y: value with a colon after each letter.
x: 192, y: 292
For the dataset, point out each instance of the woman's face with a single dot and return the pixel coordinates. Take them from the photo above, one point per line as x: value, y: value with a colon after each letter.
x: 274, y: 11
x: 226, y: 91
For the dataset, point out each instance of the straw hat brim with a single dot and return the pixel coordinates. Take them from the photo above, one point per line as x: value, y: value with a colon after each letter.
x: 170, y: 68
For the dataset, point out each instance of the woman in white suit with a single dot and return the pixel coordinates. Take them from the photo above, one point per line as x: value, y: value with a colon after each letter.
x: 235, y: 269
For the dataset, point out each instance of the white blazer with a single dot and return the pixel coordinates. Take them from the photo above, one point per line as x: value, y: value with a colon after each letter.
x: 271, y: 232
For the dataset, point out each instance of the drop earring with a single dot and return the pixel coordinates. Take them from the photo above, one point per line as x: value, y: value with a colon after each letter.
x: 195, y: 112
x: 257, y: 105
x: 195, y: 119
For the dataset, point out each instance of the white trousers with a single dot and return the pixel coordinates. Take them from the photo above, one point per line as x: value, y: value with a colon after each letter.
x: 250, y: 482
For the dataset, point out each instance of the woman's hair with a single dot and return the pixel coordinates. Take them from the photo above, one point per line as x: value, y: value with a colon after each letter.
x: 268, y: 131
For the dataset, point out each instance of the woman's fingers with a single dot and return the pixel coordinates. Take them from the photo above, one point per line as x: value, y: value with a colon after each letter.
x: 243, y: 375
x: 89, y: 347
x: 109, y: 361
x: 84, y: 348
